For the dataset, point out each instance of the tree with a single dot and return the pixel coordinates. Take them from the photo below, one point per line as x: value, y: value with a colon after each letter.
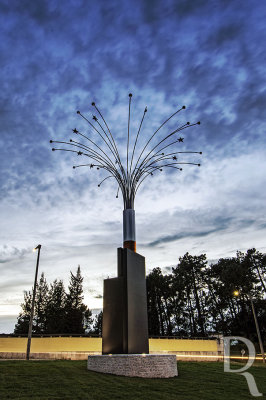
x: 55, y: 311
x: 98, y: 324
x: 22, y: 326
x: 190, y: 271
x: 155, y: 321
x: 255, y: 262
x: 39, y: 317
x: 78, y: 316
x: 197, y: 298
x: 40, y: 310
x: 230, y: 314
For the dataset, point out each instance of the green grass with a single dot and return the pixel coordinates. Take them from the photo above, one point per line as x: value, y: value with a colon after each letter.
x: 70, y: 380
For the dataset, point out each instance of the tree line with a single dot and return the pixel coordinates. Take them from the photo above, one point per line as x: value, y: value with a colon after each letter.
x: 195, y: 299
x: 56, y: 310
x: 199, y: 299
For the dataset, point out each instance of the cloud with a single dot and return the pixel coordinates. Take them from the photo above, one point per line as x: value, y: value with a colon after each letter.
x: 222, y: 225
x: 173, y: 238
x: 8, y: 253
x: 57, y: 59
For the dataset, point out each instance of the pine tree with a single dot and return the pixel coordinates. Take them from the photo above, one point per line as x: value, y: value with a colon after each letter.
x: 78, y: 316
x: 56, y: 308
x: 55, y: 311
x: 22, y: 326
x: 40, y: 310
x: 155, y: 303
x: 192, y: 269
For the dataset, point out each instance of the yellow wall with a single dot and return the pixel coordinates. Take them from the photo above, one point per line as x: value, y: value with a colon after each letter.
x: 182, y: 345
x: 58, y: 344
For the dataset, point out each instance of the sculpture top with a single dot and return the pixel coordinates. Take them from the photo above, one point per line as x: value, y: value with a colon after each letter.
x: 131, y: 177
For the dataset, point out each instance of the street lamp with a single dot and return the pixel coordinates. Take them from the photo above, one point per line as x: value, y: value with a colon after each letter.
x: 237, y: 293
x: 33, y: 301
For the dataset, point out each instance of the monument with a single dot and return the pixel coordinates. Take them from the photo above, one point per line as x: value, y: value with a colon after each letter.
x: 125, y: 342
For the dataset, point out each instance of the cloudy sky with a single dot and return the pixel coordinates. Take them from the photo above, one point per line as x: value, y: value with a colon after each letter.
x: 57, y: 57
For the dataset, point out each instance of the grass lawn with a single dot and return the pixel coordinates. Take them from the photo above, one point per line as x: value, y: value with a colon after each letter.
x: 70, y: 380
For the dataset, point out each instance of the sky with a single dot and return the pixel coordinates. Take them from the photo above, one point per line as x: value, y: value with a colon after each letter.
x: 58, y: 57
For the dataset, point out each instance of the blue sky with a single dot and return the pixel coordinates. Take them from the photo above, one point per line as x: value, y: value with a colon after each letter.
x: 57, y: 57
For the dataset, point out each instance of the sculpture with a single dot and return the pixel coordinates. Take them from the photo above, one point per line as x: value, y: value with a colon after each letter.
x: 125, y: 322
x: 131, y: 177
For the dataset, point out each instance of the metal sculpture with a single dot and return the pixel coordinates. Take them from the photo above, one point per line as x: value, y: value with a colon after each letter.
x: 131, y: 177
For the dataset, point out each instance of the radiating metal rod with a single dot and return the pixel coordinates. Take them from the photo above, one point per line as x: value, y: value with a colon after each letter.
x: 131, y: 177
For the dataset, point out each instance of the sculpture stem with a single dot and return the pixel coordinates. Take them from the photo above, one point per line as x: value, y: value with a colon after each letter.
x: 129, y: 233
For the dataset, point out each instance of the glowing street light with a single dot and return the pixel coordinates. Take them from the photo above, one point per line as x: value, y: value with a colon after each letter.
x: 33, y: 302
x: 237, y: 293
x: 131, y: 176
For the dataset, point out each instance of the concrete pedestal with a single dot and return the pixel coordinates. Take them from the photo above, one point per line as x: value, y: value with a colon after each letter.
x: 135, y: 365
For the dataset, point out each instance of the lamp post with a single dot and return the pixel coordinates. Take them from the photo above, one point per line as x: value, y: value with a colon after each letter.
x: 237, y: 293
x: 257, y: 328
x: 33, y: 301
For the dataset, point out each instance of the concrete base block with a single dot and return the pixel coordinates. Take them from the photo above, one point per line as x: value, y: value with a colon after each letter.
x: 138, y: 365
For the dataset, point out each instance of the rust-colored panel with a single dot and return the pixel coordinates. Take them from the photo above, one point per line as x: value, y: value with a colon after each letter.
x: 130, y: 244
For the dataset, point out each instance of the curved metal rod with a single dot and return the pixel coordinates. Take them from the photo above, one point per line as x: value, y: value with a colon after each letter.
x: 77, y: 132
x: 144, y: 113
x: 163, y: 166
x: 73, y: 151
x: 107, y: 137
x: 113, y: 171
x: 179, y: 129
x: 103, y: 161
x: 86, y: 148
x: 115, y: 175
x: 175, y: 152
x: 181, y: 163
x: 128, y: 125
x: 137, y: 183
x: 99, y: 133
x: 176, y: 141
x: 86, y: 165
x: 111, y: 176
x: 129, y: 179
x: 164, y: 157
x: 150, y: 173
x: 166, y: 137
x: 95, y: 144
x: 157, y: 130
x: 79, y: 153
x: 118, y: 156
x: 183, y: 152
x: 79, y: 145
x: 187, y: 125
